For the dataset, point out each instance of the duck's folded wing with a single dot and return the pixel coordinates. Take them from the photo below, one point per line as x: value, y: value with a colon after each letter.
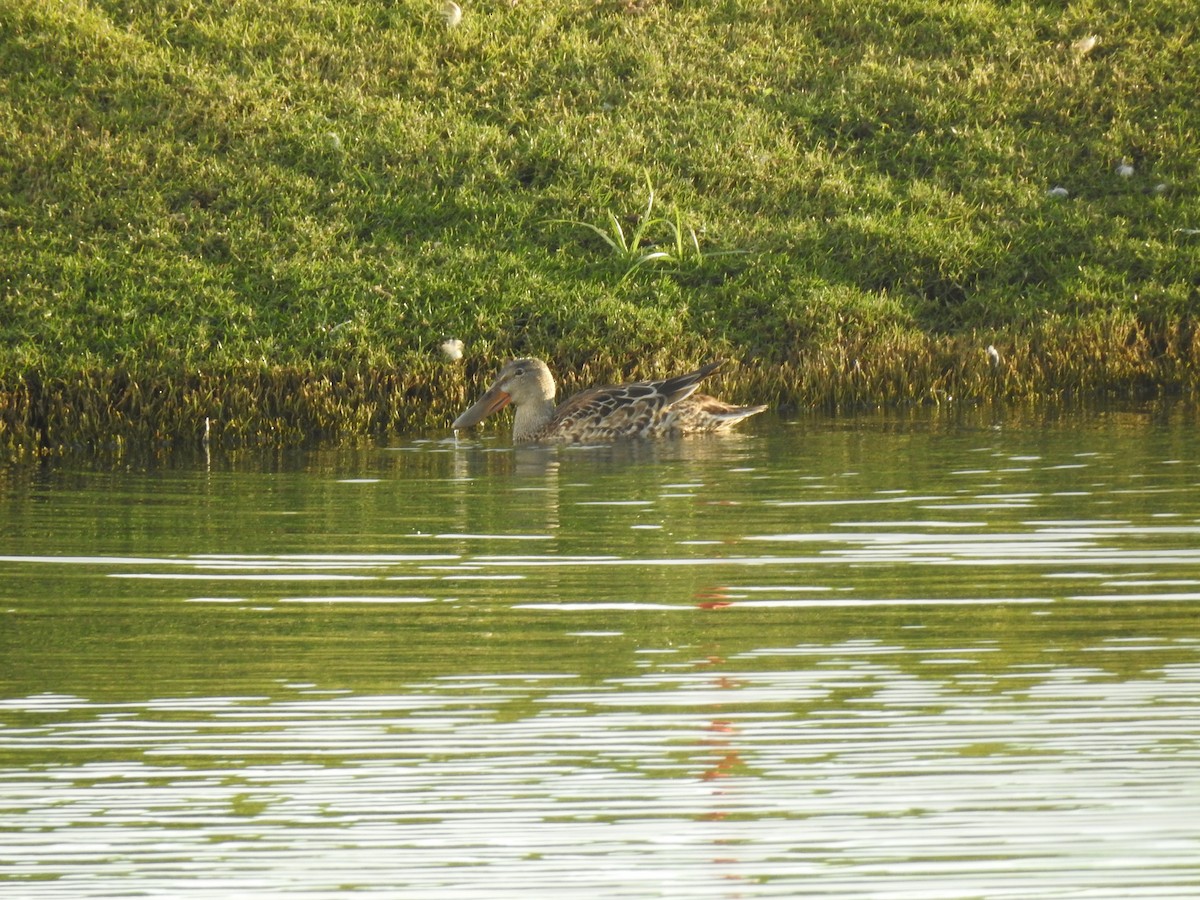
x: 604, y: 413
x: 643, y: 409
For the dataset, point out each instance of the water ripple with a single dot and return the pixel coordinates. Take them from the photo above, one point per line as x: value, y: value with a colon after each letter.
x: 754, y: 771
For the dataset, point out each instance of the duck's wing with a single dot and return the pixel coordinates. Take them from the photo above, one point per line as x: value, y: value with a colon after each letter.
x: 642, y: 409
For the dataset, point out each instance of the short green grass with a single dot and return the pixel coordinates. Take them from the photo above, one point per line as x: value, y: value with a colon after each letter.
x: 207, y: 205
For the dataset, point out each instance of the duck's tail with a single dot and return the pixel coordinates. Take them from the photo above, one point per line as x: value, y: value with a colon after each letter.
x: 702, y: 414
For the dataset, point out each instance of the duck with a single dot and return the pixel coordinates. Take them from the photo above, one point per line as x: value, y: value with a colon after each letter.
x: 643, y: 409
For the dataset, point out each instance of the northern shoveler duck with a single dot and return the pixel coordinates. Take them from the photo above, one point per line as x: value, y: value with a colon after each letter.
x: 640, y: 410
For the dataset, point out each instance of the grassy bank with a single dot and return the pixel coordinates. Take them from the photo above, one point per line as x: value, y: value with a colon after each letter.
x: 270, y: 214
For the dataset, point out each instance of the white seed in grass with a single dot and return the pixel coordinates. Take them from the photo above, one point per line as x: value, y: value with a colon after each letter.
x: 1085, y: 45
x: 1125, y: 170
x: 1161, y: 188
x: 993, y: 356
x: 452, y: 349
x: 1058, y: 192
x: 452, y: 13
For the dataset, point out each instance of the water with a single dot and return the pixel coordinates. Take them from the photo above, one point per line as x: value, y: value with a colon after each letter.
x: 860, y: 658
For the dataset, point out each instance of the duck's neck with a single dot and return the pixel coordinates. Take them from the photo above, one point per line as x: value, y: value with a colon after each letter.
x: 530, y: 419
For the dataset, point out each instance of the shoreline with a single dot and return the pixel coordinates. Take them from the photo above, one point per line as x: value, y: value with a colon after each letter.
x: 115, y: 410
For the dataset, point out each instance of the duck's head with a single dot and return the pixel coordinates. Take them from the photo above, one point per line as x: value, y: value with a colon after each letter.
x: 521, y: 382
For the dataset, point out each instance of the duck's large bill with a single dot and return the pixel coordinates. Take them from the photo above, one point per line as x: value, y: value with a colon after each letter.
x: 493, y: 401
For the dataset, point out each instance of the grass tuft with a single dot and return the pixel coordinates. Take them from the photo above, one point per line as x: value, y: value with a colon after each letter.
x: 676, y: 248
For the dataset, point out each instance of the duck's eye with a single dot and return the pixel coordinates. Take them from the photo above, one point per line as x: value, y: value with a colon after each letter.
x: 520, y: 372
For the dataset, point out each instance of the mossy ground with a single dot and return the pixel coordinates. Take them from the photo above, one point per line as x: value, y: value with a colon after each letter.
x: 270, y: 214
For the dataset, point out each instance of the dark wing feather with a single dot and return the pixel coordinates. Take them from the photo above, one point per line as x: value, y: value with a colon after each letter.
x: 681, y: 386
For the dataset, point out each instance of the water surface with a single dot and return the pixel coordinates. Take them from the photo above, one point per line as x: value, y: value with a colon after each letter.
x: 901, y: 658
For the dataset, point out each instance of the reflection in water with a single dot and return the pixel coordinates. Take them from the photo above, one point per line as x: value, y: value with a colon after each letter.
x: 819, y: 660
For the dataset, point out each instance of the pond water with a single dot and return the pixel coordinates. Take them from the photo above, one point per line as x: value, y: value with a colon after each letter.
x: 917, y: 657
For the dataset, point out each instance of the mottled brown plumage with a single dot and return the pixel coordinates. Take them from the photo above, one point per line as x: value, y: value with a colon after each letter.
x: 640, y: 410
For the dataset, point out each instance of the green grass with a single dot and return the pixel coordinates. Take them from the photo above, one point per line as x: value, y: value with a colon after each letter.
x: 275, y: 196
